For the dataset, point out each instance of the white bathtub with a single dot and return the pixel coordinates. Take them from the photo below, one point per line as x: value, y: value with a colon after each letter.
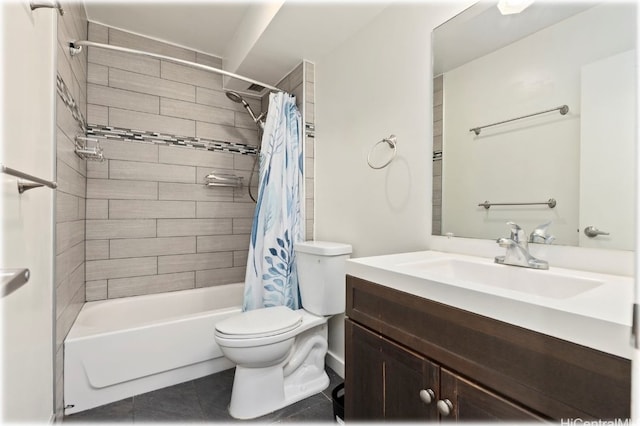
x: 123, y: 347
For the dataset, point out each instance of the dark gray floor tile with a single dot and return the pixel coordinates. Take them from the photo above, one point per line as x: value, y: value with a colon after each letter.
x: 214, y: 392
x: 205, y: 400
x: 179, y: 402
x: 119, y: 411
x: 318, y: 413
x: 215, y: 415
x: 158, y: 416
x: 293, y: 409
x: 334, y: 380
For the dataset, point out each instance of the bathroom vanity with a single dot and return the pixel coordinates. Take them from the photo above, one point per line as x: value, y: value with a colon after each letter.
x: 422, y: 346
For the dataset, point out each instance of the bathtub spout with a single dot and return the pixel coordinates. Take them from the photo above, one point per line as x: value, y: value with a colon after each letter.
x: 303, y: 352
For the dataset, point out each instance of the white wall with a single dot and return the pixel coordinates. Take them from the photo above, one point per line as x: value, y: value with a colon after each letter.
x: 27, y: 220
x: 375, y: 84
x: 607, y: 129
x: 533, y: 159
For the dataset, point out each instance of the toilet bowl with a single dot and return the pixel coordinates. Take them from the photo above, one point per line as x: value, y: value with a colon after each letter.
x: 278, y: 368
x: 279, y: 352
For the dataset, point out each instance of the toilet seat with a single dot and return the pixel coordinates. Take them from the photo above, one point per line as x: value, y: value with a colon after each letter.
x: 259, y: 323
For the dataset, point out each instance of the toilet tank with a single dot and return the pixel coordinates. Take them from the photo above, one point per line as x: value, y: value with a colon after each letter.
x: 321, y: 275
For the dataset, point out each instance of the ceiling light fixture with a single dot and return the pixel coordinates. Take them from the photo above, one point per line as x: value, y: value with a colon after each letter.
x: 509, y: 7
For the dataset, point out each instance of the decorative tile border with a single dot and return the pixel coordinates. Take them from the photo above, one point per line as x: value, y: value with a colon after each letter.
x: 128, y: 135
x: 67, y: 99
x: 110, y: 132
x: 310, y: 129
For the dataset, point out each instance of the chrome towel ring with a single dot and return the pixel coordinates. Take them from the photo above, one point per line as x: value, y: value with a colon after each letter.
x: 392, y: 142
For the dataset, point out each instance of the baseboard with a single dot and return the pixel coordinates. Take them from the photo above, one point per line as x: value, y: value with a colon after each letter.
x: 336, y: 363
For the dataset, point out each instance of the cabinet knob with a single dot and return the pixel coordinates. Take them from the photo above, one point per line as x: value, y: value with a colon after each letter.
x: 445, y: 407
x: 427, y: 396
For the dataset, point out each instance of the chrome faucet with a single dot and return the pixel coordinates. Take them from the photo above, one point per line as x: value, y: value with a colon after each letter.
x: 518, y: 250
x: 540, y: 234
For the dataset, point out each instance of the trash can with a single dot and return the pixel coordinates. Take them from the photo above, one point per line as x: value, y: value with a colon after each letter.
x: 338, y: 403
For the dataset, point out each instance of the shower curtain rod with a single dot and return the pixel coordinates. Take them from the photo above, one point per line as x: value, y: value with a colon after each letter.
x: 75, y: 47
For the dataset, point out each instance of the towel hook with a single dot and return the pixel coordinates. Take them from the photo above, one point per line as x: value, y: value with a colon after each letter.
x: 392, y: 142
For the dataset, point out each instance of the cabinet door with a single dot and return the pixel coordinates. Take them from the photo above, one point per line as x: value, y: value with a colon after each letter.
x: 386, y: 381
x: 410, y: 384
x: 461, y: 400
x: 364, y: 366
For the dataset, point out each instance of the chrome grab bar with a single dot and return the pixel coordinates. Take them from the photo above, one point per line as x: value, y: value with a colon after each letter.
x: 551, y: 203
x: 35, y: 182
x: 564, y: 109
x: 12, y: 279
x: 51, y: 5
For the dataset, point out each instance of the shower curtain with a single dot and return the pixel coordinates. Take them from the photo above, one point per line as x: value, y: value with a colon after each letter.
x: 278, y: 222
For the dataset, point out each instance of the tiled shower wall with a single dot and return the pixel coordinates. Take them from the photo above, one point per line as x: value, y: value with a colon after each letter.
x: 143, y: 217
x: 152, y: 226
x: 71, y: 177
x: 437, y: 155
x: 300, y: 82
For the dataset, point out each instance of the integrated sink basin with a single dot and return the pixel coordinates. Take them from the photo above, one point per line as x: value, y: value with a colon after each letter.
x: 542, y: 283
x: 587, y: 308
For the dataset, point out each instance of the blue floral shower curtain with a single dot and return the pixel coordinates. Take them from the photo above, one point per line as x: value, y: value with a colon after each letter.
x: 278, y: 222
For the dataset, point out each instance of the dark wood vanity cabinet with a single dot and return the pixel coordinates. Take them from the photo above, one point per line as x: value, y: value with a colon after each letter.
x: 409, y: 358
x: 394, y: 378
x: 393, y: 383
x: 468, y: 401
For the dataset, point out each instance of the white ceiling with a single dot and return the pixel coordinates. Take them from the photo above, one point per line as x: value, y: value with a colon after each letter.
x: 299, y: 30
x: 305, y: 31
x: 465, y: 37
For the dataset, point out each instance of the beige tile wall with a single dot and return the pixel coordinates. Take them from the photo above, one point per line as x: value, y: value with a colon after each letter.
x: 142, y: 222
x: 301, y: 83
x: 309, y: 117
x: 437, y: 148
x: 152, y: 226
x: 70, y: 196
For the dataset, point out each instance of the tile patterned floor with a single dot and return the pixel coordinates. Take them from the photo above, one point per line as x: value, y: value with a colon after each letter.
x: 204, y: 400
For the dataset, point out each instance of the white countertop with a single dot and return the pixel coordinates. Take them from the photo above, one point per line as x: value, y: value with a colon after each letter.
x: 599, y: 318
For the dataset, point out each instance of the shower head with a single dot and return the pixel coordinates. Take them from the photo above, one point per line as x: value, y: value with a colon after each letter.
x: 235, y: 97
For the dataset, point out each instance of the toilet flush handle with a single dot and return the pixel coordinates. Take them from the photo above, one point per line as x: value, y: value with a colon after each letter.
x: 592, y: 232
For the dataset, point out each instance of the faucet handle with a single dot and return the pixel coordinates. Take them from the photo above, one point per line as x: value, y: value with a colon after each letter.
x: 516, y: 232
x: 540, y: 234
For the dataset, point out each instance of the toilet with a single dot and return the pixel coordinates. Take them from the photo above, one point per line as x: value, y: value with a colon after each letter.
x: 279, y: 353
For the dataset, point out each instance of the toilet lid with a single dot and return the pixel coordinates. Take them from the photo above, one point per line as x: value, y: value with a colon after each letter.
x: 260, y: 323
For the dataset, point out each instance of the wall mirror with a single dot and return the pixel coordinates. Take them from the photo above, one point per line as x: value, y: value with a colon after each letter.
x: 504, y: 72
